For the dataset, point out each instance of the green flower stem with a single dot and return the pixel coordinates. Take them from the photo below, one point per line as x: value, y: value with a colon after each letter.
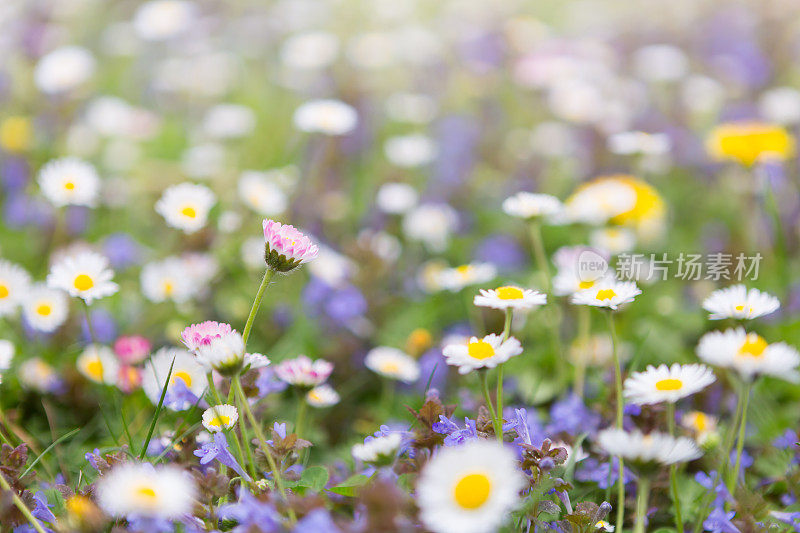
x: 506, y: 333
x: 301, y: 412
x: 21, y: 505
x: 734, y: 474
x: 268, y: 273
x: 262, y: 441
x: 620, y: 406
x: 539, y: 253
x: 673, y: 471
x: 641, y: 504
x: 218, y: 400
x: 482, y: 373
x: 553, y: 319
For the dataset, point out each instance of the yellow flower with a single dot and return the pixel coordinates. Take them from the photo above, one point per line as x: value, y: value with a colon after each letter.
x: 15, y: 134
x: 748, y: 142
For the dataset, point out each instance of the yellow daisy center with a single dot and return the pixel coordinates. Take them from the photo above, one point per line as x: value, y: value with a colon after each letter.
x: 183, y: 376
x: 83, y: 282
x: 472, y: 491
x: 390, y: 367
x: 754, y: 346
x: 146, y: 495
x: 464, y: 270
x: 314, y: 395
x: 220, y: 421
x: 44, y: 309
x: 669, y: 384
x: 4, y: 292
x: 79, y: 505
x: 480, y: 350
x: 605, y: 294
x: 700, y: 422
x: 169, y: 288
x: 583, y: 285
x: 70, y: 185
x: 509, y: 293
x: 189, y: 212
x: 95, y: 369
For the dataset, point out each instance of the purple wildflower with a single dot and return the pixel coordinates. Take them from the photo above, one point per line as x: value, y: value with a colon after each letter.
x: 218, y: 449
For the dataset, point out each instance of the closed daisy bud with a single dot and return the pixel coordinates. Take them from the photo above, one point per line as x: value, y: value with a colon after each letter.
x: 225, y: 353
x: 393, y: 364
x: 667, y: 384
x: 165, y: 492
x: 470, y: 488
x: 98, y: 364
x: 198, y: 335
x: 186, y: 206
x: 510, y: 297
x: 487, y: 352
x: 286, y: 247
x: 69, y: 181
x: 739, y: 302
x: 85, y: 275
x: 220, y: 417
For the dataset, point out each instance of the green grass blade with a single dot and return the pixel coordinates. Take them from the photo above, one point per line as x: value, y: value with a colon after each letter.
x: 57, y: 441
x: 158, y: 411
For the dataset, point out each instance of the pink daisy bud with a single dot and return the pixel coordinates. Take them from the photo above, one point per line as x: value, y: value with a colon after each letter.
x: 202, y: 334
x: 132, y: 349
x: 286, y: 247
x: 303, y: 372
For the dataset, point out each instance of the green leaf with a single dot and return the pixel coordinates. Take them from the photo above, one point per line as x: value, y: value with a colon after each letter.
x: 314, y: 477
x: 350, y: 486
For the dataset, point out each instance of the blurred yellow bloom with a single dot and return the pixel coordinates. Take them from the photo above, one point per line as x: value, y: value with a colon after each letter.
x: 418, y: 341
x: 16, y: 134
x: 748, y: 142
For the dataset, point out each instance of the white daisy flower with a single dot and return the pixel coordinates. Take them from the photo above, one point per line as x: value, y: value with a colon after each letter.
x: 6, y: 354
x: 322, y: 396
x: 45, y: 309
x: 614, y: 240
x: 528, y: 205
x: 98, y: 364
x: 487, y: 352
x: 651, y: 448
x: 455, y: 279
x: 229, y: 121
x: 186, y: 369
x: 166, y: 280
x: 14, y: 284
x: 749, y: 354
x: 224, y: 353
x: 393, y: 364
x: 610, y: 294
x: 739, y: 302
x: 69, y: 181
x: 185, y: 206
x: 141, y: 489
x: 431, y: 224
x: 667, y: 384
x: 396, y: 198
x: 220, y: 417
x: 510, y: 297
x: 378, y: 449
x: 303, y: 372
x: 701, y: 424
x: 261, y: 194
x: 38, y: 375
x: 85, y: 275
x: 330, y: 117
x: 64, y: 69
x: 159, y: 20
x: 571, y: 280
x: 410, y: 151
x: 605, y: 526
x: 597, y: 202
x: 470, y: 488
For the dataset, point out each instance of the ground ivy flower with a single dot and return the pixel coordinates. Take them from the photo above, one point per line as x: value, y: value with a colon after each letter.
x: 487, y: 352
x: 286, y: 247
x: 218, y: 449
x: 667, y: 383
x: 609, y: 294
x: 469, y: 488
x: 186, y: 206
x: 220, y: 417
x: 143, y: 490
x: 303, y: 372
x: 510, y: 297
x: 528, y: 205
x: 393, y: 364
x: 85, y: 275
x: 69, y: 181
x: 740, y: 302
x: 749, y: 354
